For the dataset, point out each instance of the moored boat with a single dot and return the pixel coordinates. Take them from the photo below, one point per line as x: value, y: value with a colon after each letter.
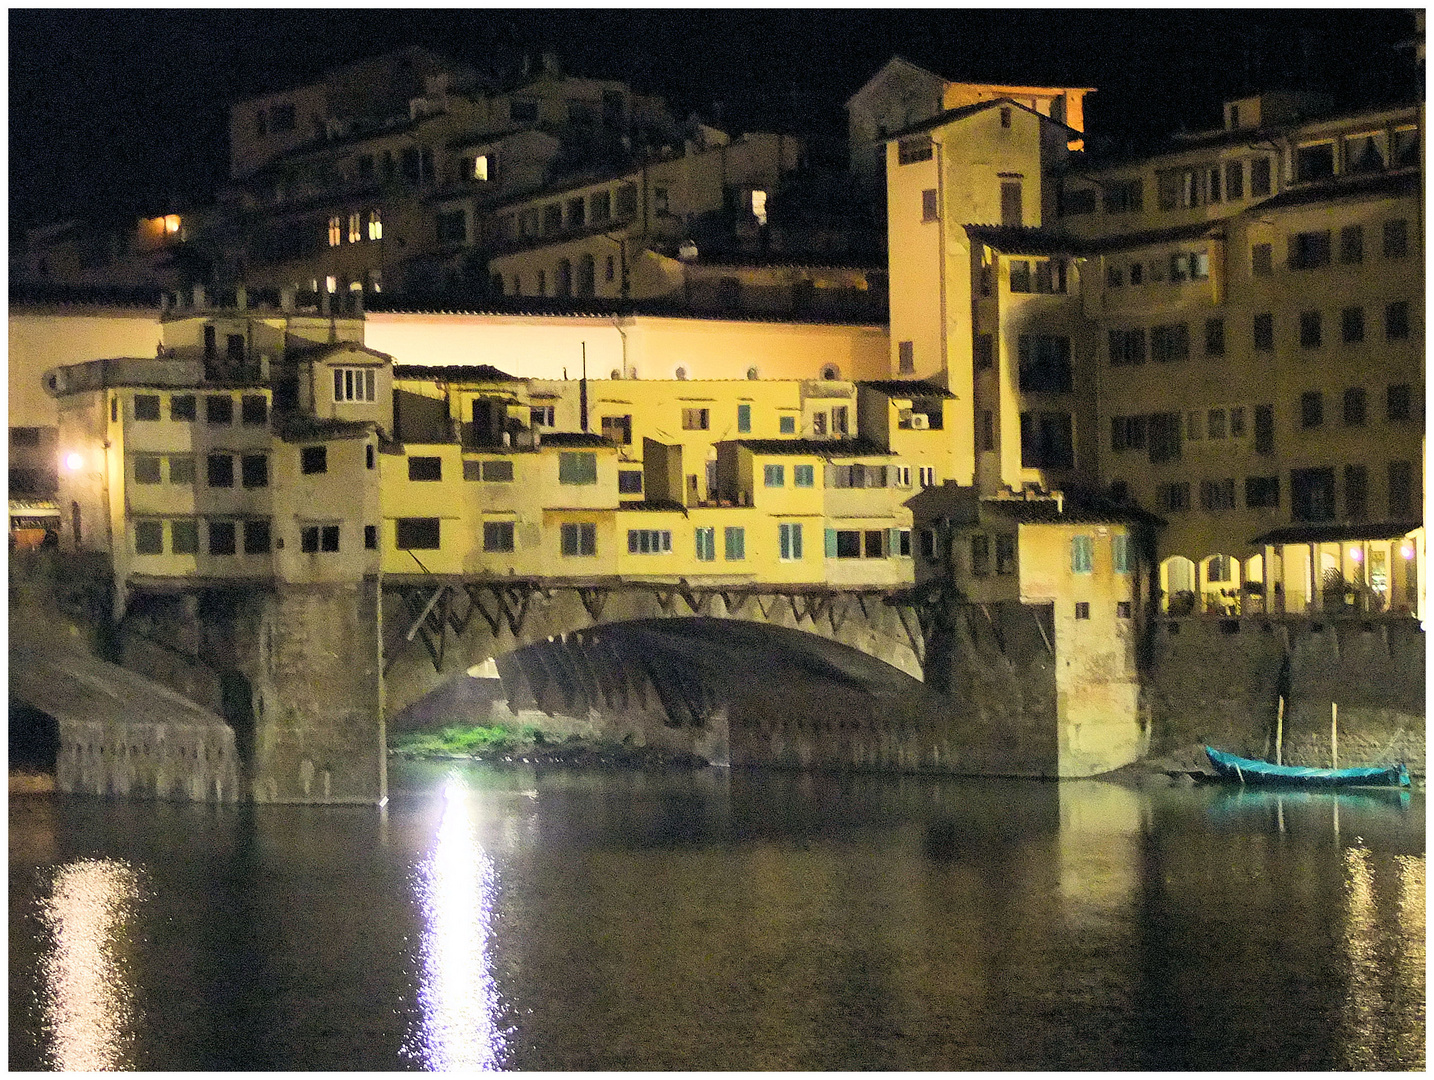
x: 1252, y: 771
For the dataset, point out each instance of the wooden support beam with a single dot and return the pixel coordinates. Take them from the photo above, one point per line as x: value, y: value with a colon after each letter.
x: 493, y: 618
x: 594, y: 600
x: 913, y: 633
x: 432, y: 600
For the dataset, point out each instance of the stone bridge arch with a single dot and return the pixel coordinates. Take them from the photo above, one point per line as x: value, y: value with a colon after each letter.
x: 434, y: 629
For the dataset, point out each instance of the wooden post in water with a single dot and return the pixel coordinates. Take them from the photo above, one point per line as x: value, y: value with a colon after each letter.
x: 1279, y: 731
x: 1333, y: 735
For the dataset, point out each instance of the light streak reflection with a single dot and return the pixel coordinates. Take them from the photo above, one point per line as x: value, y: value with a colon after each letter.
x: 89, y: 1002
x: 456, y: 888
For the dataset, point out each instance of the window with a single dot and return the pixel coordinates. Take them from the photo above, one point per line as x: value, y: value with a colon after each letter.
x: 496, y: 472
x: 1314, y: 162
x: 1396, y: 239
x: 578, y: 538
x: 734, y: 542
x: 220, y: 471
x: 980, y: 555
x: 1234, y: 180
x: 1214, y: 337
x: 425, y: 468
x: 1082, y: 609
x: 1137, y: 273
x: 787, y: 425
x: 1351, y: 244
x: 839, y: 420
x: 149, y: 538
x: 1163, y: 436
x: 497, y: 536
x: 1312, y: 494
x: 1191, y: 265
x: 926, y: 475
x: 705, y: 539
x: 1309, y: 250
x: 626, y: 200
x: 928, y: 205
x: 253, y: 409
x: 910, y: 151
x: 1401, y: 489
x: 254, y: 470
x: 316, y: 538
x: 694, y: 419
x: 354, y: 384
x: 906, y: 357
x: 335, y: 231
x: 181, y: 469
x: 1120, y: 553
x: 355, y: 230
x: 1396, y: 320
x: 1262, y: 491
x: 370, y: 537
x: 928, y: 544
x: 147, y: 468
x: 256, y: 538
x: 1127, y: 433
x: 420, y: 534
x: 618, y: 429
x: 1046, y: 440
x: 789, y: 538
x: 1215, y: 419
x: 1311, y: 409
x: 1264, y: 332
x: 1169, y: 343
x: 629, y: 482
x: 843, y: 544
x: 1260, y: 177
x: 184, y: 537
x: 1356, y: 493
x: 1124, y: 196
x: 181, y: 407
x: 1261, y: 260
x: 1351, y: 321
x: 218, y: 409
x: 1020, y: 275
x: 1397, y: 402
x: 1044, y: 363
x: 803, y: 476
x: 375, y: 226
x: 1217, y: 494
x: 1310, y: 334
x: 774, y: 476
x: 313, y: 459
x: 649, y: 541
x: 1264, y: 429
x: 1082, y: 554
x: 1050, y: 276
x: 744, y: 419
x: 1175, y: 497
x: 541, y: 415
x: 1005, y: 554
x: 1114, y: 276
x: 1127, y: 347
x: 1354, y: 406
x: 221, y: 538
x: 146, y: 406
x: 577, y: 468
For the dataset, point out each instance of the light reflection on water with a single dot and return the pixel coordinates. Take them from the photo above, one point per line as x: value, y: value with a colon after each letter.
x: 456, y: 888
x: 89, y: 1000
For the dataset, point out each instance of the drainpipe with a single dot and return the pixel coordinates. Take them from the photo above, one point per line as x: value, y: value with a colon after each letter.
x: 941, y: 254
x: 617, y: 325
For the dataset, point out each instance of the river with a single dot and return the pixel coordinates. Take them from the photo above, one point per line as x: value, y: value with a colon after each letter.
x: 516, y: 918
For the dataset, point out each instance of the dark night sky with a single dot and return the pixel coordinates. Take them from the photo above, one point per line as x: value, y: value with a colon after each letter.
x: 127, y: 110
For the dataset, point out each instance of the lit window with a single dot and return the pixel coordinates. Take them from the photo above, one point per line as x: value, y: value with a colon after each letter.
x: 331, y: 284
x: 354, y: 234
x: 354, y: 384
x: 480, y: 167
x: 334, y: 231
x: 375, y: 231
x: 759, y: 206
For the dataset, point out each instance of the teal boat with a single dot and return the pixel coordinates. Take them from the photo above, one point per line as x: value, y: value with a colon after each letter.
x: 1251, y: 771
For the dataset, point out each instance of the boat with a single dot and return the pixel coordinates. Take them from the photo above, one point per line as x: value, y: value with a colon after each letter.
x: 1252, y: 771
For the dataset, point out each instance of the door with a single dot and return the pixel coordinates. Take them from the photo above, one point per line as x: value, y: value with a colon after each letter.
x: 1011, y: 202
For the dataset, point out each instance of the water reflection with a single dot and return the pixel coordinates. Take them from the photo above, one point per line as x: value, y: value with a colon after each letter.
x: 456, y: 888
x: 88, y: 994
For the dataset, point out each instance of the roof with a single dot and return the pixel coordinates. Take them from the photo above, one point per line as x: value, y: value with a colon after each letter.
x: 296, y: 427
x: 459, y: 373
x: 1020, y: 240
x: 1336, y: 532
x: 1194, y: 230
x: 906, y: 388
x: 1402, y: 182
x: 827, y: 448
x: 894, y: 61
x: 665, y: 505
x: 1072, y: 511
x: 964, y: 111
x: 328, y: 348
x: 597, y: 307
x: 574, y: 438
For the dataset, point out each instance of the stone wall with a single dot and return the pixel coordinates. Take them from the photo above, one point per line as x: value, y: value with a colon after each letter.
x: 1218, y: 681
x: 160, y: 760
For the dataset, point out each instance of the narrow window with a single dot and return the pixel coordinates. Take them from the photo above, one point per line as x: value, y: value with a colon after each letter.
x: 734, y: 542
x: 1214, y: 337
x: 789, y: 535
x: 906, y: 357
x: 928, y: 205
x: 705, y: 538
x: 1120, y: 553
x: 1396, y: 320
x: 1310, y: 333
x: 1354, y: 406
x: 370, y: 537
x: 368, y: 456
x: 744, y: 419
x: 1082, y: 554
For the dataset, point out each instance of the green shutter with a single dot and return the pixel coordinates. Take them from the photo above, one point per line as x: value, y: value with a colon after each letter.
x: 893, y: 542
x: 831, y: 543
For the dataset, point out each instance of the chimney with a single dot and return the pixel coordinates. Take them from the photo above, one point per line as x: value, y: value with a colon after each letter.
x: 241, y: 298
x: 198, y: 296
x: 286, y: 299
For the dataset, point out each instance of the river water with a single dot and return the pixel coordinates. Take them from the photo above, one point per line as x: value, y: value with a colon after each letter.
x: 506, y: 917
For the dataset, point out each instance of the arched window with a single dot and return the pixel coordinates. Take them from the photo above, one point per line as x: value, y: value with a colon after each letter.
x: 587, y: 275
x: 565, y: 278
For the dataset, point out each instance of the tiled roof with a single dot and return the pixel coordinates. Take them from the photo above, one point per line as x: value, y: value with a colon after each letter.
x: 970, y: 110
x: 1073, y: 511
x: 574, y: 438
x: 906, y: 388
x: 1401, y: 182
x: 1017, y: 240
x: 828, y: 448
x: 460, y: 373
x: 1334, y: 533
x: 295, y: 427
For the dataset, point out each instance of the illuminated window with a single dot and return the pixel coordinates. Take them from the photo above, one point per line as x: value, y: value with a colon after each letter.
x: 355, y: 234
x: 354, y: 384
x: 334, y: 235
x: 331, y: 284
x: 375, y: 227
x: 480, y: 167
x: 759, y: 206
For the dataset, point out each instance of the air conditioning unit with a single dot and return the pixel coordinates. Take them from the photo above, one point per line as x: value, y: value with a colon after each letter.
x: 920, y: 422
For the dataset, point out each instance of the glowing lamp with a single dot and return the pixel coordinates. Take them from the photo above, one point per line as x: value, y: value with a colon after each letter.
x: 171, y: 223
x: 1407, y: 550
x: 1356, y: 554
x: 74, y: 462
